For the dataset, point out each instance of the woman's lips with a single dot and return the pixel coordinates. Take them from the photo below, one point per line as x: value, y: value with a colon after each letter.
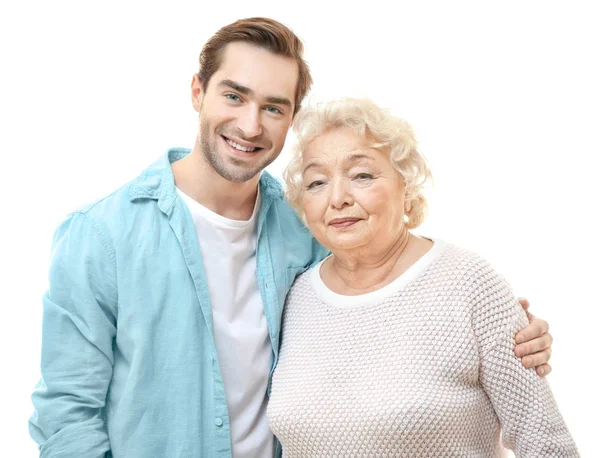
x: 343, y: 222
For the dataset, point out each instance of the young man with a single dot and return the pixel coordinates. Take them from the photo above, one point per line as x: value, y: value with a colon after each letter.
x: 162, y: 320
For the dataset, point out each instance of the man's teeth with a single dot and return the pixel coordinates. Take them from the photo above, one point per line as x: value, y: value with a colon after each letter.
x: 240, y: 147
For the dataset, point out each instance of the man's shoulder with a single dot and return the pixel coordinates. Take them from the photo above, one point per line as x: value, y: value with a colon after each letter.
x: 288, y: 219
x: 272, y: 190
x: 288, y: 233
x: 110, y: 206
x: 271, y: 187
x: 124, y: 201
x: 131, y: 205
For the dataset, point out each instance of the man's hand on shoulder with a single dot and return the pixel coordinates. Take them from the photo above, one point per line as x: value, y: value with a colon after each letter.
x: 534, y: 343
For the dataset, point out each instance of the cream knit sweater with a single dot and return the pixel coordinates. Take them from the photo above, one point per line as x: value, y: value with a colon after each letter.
x: 421, y: 368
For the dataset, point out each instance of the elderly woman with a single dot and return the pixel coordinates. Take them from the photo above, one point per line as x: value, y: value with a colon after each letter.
x: 395, y: 345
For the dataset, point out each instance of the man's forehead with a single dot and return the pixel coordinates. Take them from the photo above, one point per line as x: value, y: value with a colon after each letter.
x: 258, y: 69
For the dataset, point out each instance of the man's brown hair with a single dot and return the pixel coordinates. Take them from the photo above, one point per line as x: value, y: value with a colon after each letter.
x: 262, y: 32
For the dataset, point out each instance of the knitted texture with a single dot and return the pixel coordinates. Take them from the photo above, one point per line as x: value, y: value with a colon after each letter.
x: 428, y: 371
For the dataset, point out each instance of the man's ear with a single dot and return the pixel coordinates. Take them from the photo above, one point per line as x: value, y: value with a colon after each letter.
x: 197, y: 92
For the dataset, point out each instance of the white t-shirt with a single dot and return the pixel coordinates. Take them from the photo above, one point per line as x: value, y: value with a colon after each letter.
x: 244, y: 352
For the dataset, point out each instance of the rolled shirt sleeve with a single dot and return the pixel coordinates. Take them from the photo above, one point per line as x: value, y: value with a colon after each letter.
x: 79, y: 326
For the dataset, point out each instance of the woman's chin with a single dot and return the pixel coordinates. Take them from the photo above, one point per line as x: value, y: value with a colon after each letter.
x: 343, y: 244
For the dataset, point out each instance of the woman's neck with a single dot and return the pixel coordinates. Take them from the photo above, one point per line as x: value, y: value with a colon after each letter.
x: 369, y: 269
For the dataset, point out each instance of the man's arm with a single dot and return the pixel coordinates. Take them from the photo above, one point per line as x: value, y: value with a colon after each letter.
x: 79, y: 325
x: 534, y: 343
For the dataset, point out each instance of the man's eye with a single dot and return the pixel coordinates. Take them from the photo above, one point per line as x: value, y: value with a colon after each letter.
x: 233, y: 97
x: 363, y: 176
x: 274, y: 110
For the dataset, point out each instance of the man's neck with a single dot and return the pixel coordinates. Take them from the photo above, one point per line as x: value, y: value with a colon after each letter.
x: 196, y: 178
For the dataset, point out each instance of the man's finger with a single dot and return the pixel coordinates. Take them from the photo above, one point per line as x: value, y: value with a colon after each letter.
x: 534, y: 346
x: 543, y: 370
x: 524, y: 303
x: 536, y: 329
x: 537, y: 359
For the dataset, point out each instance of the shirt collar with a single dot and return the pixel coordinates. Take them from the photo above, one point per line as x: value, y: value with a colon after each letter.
x: 158, y: 183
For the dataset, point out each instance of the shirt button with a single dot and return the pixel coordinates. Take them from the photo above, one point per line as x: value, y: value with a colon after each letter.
x: 218, y: 422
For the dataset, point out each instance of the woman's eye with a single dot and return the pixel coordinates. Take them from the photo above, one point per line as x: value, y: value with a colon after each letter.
x: 363, y: 176
x: 315, y: 184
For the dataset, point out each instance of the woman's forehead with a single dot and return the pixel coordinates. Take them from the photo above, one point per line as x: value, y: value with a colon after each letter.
x: 341, y: 141
x: 340, y: 146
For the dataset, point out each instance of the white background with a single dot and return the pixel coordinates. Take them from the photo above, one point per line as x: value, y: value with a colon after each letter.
x: 504, y: 97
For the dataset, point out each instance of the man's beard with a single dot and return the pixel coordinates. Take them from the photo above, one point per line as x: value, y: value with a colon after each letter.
x: 236, y: 170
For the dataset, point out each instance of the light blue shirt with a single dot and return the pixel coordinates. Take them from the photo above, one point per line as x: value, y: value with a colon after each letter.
x: 129, y: 365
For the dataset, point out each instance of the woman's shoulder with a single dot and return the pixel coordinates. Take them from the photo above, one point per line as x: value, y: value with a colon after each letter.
x: 460, y: 260
x: 481, y: 281
x: 467, y: 269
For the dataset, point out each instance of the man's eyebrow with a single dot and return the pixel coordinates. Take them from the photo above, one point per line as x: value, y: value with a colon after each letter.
x: 238, y: 87
x: 247, y: 91
x: 280, y: 101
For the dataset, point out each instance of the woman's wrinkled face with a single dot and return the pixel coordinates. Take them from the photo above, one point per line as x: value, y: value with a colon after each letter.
x: 352, y: 195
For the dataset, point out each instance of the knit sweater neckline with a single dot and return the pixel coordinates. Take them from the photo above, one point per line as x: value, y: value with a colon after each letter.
x: 371, y: 298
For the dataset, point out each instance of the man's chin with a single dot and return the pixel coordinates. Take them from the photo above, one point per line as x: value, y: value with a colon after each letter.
x: 231, y: 168
x: 237, y: 173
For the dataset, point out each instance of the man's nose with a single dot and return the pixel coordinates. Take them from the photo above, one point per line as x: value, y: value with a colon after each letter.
x: 250, y: 122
